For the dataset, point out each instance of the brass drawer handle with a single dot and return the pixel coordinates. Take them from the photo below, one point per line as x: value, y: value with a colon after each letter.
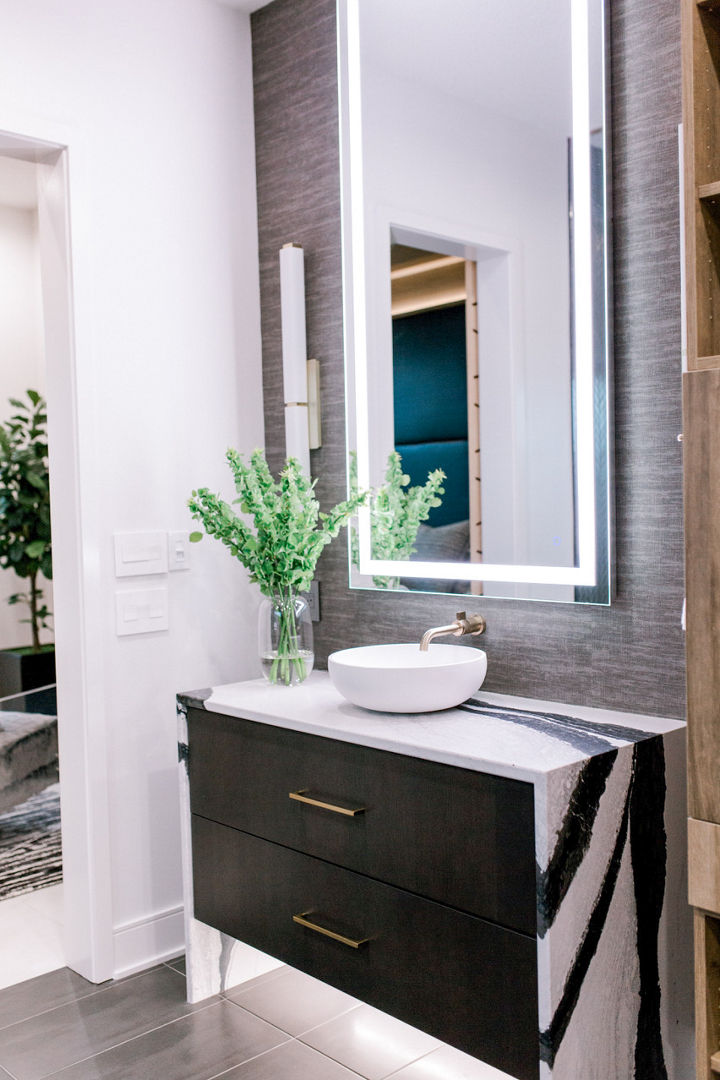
x: 302, y: 796
x: 302, y: 920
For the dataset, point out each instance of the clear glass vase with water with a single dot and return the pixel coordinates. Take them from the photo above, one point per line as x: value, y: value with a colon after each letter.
x: 285, y: 638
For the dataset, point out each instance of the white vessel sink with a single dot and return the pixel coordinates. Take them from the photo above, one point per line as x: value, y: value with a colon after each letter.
x: 402, y: 679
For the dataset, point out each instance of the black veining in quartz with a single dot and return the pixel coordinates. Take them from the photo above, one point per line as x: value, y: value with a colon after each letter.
x: 573, y: 838
x: 195, y: 698
x: 648, y: 851
x: 643, y: 818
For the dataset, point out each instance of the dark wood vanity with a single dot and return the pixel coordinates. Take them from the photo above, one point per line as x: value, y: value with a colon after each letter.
x: 406, y: 883
x: 477, y: 873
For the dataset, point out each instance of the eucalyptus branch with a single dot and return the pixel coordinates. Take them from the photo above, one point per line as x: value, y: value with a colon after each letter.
x: 290, y: 531
x: 396, y: 511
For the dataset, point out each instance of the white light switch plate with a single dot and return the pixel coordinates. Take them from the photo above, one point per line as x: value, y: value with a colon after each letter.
x: 179, y: 551
x: 140, y: 553
x: 141, y: 611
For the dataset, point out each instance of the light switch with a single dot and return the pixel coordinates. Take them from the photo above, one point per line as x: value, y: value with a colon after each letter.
x: 140, y: 553
x: 141, y: 611
x: 178, y: 551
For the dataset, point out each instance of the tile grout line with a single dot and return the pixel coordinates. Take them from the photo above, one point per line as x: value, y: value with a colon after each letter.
x: 266, y: 977
x: 407, y: 1065
x: 386, y: 1076
x: 292, y: 1039
x: 177, y: 971
x: 253, y: 1058
x: 44, y: 1012
x: 305, y: 1031
x: 330, y: 1021
x: 125, y: 1042
x: 100, y: 989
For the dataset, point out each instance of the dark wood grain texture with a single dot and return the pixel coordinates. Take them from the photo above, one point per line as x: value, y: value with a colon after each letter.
x: 462, y: 979
x: 450, y: 834
x: 594, y: 656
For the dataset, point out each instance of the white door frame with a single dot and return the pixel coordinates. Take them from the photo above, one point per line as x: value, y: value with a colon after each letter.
x: 66, y: 269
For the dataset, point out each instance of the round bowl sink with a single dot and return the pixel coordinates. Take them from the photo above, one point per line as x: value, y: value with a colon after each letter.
x: 402, y: 679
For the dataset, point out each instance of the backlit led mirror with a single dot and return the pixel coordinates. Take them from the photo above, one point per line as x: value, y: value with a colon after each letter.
x: 475, y: 217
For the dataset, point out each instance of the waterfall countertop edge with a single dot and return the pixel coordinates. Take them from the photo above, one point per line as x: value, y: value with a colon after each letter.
x: 509, y: 736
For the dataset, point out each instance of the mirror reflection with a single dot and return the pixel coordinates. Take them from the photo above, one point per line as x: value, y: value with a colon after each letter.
x: 475, y: 294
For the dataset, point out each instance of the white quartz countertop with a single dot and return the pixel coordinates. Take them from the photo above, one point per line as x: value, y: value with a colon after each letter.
x: 508, y: 736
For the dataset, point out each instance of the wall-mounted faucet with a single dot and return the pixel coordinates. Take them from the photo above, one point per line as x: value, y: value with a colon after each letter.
x: 464, y: 624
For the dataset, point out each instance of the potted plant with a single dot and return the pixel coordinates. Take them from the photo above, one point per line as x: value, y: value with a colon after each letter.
x: 280, y: 552
x: 25, y: 542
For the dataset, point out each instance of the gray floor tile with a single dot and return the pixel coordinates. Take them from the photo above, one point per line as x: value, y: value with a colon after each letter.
x: 259, y: 980
x: 449, y: 1064
x: 196, y: 1047
x: 292, y: 1061
x: 292, y: 1001
x: 34, y: 996
x: 49, y: 1042
x: 370, y: 1043
x: 178, y: 964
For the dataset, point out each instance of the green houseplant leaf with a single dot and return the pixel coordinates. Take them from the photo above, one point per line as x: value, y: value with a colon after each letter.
x: 25, y: 540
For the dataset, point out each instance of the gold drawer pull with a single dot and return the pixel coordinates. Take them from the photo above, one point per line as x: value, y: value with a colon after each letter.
x: 302, y: 920
x: 302, y: 796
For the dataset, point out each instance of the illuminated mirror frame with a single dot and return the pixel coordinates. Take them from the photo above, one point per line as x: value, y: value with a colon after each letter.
x: 355, y: 309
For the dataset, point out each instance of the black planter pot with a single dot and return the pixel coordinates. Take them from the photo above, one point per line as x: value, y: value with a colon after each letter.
x: 21, y: 670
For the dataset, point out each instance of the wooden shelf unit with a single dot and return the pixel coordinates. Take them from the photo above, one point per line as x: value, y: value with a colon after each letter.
x: 701, y: 451
x: 707, y: 999
x: 701, y: 126
x: 709, y: 192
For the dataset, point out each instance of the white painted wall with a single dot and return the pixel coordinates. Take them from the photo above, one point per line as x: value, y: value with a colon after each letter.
x: 22, y: 366
x: 154, y: 100
x: 447, y: 164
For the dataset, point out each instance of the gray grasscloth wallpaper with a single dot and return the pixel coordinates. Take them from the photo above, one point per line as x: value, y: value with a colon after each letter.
x: 629, y: 656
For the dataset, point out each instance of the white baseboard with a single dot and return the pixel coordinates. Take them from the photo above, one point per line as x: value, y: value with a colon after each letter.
x: 144, y: 942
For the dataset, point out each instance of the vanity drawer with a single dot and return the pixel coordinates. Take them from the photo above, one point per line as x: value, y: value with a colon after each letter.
x: 460, y: 978
x: 462, y: 837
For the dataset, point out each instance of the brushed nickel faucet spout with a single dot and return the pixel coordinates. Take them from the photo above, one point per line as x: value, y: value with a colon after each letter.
x: 464, y: 624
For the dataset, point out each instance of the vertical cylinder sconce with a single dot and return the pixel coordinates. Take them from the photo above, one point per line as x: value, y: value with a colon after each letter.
x: 294, y: 353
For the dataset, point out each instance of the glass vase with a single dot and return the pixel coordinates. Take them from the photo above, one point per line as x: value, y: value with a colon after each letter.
x: 285, y: 638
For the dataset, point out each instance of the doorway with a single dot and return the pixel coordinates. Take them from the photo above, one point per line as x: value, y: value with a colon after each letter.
x: 31, y: 909
x: 86, y: 911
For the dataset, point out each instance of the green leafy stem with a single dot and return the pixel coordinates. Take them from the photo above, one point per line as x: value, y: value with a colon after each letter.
x: 396, y: 511
x: 284, y: 538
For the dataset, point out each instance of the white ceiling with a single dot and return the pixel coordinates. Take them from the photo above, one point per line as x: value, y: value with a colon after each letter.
x: 18, y: 183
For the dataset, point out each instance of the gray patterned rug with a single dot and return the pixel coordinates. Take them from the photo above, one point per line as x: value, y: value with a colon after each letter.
x: 30, y: 845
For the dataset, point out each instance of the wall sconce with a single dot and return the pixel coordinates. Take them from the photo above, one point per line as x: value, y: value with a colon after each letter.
x: 301, y: 377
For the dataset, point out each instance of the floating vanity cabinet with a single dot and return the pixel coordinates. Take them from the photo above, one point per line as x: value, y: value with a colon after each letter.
x: 453, y: 835
x: 298, y: 837
x: 493, y: 875
x: 701, y: 424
